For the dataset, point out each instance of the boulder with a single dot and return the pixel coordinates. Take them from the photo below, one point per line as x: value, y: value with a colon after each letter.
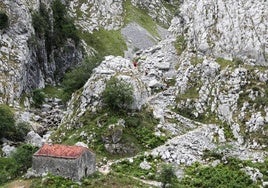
x: 34, y: 139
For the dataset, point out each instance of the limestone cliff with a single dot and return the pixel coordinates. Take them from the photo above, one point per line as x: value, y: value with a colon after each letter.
x: 26, y: 63
x: 228, y: 29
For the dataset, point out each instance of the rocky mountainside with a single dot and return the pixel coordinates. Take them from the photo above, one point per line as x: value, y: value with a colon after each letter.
x: 198, y: 70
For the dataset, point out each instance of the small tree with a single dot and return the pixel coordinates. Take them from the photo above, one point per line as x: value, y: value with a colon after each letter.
x: 23, y: 156
x: 118, y: 94
x: 7, y: 121
x: 167, y: 175
x: 38, y: 98
x: 3, y: 20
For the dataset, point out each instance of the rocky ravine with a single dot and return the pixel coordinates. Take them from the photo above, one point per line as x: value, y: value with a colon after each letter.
x: 25, y: 63
x: 223, y: 97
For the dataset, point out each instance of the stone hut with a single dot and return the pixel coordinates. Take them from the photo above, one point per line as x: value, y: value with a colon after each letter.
x: 74, y: 162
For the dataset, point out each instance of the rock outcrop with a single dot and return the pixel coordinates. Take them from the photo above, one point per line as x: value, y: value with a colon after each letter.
x: 90, y: 97
x: 95, y: 14
x: 25, y: 63
x: 229, y: 29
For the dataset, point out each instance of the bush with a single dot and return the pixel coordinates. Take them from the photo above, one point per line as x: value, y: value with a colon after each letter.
x: 7, y: 121
x: 23, y: 156
x: 3, y: 20
x: 118, y: 94
x: 17, y: 164
x: 228, y: 175
x: 21, y: 130
x: 41, y: 21
x: 8, y: 169
x: 77, y: 77
x: 38, y: 97
x: 63, y: 25
x: 167, y: 175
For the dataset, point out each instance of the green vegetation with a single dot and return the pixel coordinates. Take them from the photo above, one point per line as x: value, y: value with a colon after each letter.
x: 17, y: 164
x: 53, y: 91
x: 132, y: 167
x: 140, y: 16
x: 63, y: 25
x: 195, y: 60
x: 3, y: 20
x: 180, y: 44
x: 77, y: 77
x: 20, y: 131
x: 118, y: 94
x: 224, y: 62
x: 40, y: 20
x: 167, y: 176
x: 38, y: 97
x: 55, y: 34
x: 7, y: 125
x: 8, y: 128
x: 138, y: 133
x: 229, y: 63
x: 95, y: 180
x: 228, y: 175
x: 105, y: 42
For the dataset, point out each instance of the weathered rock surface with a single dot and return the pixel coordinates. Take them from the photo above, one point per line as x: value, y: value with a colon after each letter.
x: 95, y: 14
x: 7, y: 150
x: 24, y: 64
x: 229, y: 29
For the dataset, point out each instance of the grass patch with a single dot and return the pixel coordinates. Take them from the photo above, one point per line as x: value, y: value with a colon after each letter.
x: 224, y: 62
x: 93, y: 181
x: 140, y: 16
x: 191, y: 93
x: 229, y: 63
x: 131, y: 167
x: 180, y: 44
x: 105, y: 42
x: 53, y: 91
x: 195, y: 60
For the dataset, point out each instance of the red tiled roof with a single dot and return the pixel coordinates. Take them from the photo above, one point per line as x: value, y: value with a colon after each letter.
x: 60, y: 151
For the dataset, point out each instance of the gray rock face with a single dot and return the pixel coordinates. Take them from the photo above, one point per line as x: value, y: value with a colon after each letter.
x: 24, y: 64
x: 95, y: 14
x: 7, y: 150
x: 34, y: 139
x: 14, y: 51
x: 156, y: 9
x: 225, y: 28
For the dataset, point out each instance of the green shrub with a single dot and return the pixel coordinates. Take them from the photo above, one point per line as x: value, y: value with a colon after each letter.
x: 8, y: 169
x: 21, y: 130
x: 63, y: 25
x: 228, y: 175
x: 118, y: 94
x: 17, y: 164
x: 77, y: 77
x: 40, y: 20
x: 23, y: 156
x: 167, y: 176
x: 38, y: 97
x: 7, y: 121
x: 3, y: 20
